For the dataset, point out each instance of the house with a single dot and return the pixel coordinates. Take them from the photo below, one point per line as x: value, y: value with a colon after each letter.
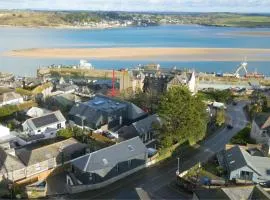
x: 144, y: 128
x: 37, y: 112
x: 4, y: 131
x: 105, y: 166
x: 232, y: 193
x: 10, y: 98
x: 244, y: 167
x: 6, y: 138
x: 47, y: 124
x: 104, y: 112
x: 64, y: 100
x: 67, y: 88
x: 38, y: 160
x: 11, y: 168
x: 260, y: 130
x: 184, y: 78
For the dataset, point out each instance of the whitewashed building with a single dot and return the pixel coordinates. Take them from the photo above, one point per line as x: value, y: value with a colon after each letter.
x: 47, y: 124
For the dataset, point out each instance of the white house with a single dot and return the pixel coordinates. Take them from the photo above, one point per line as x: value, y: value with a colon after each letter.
x: 4, y: 131
x: 47, y: 124
x: 260, y: 130
x: 10, y: 98
x: 241, y: 165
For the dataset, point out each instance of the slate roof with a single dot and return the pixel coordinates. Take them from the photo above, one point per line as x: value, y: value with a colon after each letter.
x: 237, y: 158
x: 233, y: 193
x: 45, y: 120
x: 9, y: 162
x: 182, y: 78
x: 93, y: 109
x: 85, y: 112
x: 261, y: 119
x: 110, y: 156
x: 30, y: 155
x: 205, y: 194
x: 145, y: 125
x: 140, y: 127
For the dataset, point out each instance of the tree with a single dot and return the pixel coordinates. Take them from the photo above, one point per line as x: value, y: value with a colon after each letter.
x: 65, y: 133
x: 184, y: 117
x: 221, y: 117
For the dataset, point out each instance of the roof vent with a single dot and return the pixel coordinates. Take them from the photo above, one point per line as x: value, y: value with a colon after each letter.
x: 131, y: 148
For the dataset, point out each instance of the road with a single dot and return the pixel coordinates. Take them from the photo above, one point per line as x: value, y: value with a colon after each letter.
x: 155, y: 182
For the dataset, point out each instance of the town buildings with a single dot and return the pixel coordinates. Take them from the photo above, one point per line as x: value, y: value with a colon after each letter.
x: 105, y: 113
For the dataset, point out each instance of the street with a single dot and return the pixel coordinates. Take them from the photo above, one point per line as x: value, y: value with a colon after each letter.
x: 155, y: 182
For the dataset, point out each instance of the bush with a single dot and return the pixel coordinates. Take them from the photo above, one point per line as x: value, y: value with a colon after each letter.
x: 243, y: 137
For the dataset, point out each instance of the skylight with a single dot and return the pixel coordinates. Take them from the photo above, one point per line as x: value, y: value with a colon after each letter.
x: 131, y: 148
x: 105, y: 161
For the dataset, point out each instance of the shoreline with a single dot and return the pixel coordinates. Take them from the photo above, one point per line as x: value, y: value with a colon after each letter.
x: 146, y: 53
x: 65, y: 27
x: 72, y: 27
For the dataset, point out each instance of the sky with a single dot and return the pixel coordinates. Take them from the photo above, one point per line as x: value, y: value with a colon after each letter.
x: 254, y: 6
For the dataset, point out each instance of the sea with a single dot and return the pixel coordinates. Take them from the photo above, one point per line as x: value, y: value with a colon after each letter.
x: 13, y: 38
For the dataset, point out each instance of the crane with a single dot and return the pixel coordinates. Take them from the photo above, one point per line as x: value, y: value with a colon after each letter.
x: 242, y: 66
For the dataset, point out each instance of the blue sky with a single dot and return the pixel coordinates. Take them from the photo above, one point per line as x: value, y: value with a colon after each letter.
x: 142, y: 5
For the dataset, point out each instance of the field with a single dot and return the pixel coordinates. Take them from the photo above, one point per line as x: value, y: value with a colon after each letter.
x: 242, y: 21
x: 32, y: 19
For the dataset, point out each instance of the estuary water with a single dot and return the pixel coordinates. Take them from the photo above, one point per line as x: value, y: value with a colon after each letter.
x: 156, y: 36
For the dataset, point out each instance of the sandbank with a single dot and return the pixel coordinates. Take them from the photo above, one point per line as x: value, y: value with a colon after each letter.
x: 144, y: 53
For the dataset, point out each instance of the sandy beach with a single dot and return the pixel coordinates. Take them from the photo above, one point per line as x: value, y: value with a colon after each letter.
x: 172, y: 54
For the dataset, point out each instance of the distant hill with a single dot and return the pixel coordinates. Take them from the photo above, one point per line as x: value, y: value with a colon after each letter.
x: 28, y: 18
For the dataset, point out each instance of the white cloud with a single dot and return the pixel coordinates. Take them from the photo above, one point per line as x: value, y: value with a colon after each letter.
x: 142, y: 5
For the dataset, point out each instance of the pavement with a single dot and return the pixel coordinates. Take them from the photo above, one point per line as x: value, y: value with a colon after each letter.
x: 156, y: 182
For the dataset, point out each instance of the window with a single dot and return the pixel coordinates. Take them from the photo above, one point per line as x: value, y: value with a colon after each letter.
x: 90, y: 176
x: 59, y: 126
x: 39, y: 131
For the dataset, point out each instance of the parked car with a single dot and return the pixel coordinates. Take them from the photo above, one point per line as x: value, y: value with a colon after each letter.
x: 229, y: 126
x: 108, y: 135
